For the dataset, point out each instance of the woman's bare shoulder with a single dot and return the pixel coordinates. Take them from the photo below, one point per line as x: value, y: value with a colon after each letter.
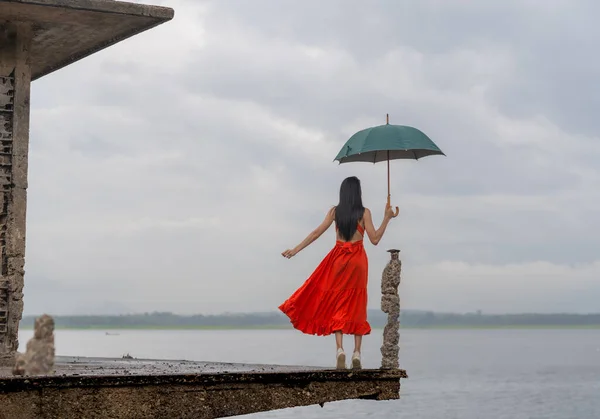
x: 366, y: 216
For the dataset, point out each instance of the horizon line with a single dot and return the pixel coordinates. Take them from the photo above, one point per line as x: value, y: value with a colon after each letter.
x: 232, y: 313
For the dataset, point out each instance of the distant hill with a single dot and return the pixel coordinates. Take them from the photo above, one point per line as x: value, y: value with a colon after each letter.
x: 409, y: 318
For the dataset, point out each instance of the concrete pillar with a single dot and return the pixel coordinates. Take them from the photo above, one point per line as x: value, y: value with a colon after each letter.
x: 15, y: 81
x: 390, y: 304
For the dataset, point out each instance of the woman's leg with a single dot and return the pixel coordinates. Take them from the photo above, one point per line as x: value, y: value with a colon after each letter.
x: 340, y: 356
x: 357, y: 343
x: 339, y: 340
x: 356, y: 364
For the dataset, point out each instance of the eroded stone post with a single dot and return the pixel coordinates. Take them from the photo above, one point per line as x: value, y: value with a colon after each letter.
x: 390, y: 304
x: 15, y: 81
x: 38, y: 358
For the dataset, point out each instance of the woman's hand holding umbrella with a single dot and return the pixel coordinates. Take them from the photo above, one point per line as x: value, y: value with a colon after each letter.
x: 389, y: 213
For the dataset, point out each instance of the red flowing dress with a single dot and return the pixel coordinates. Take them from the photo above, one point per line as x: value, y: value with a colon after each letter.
x: 334, y: 297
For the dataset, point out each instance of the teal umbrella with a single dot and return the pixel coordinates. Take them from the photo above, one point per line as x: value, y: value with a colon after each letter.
x: 387, y: 142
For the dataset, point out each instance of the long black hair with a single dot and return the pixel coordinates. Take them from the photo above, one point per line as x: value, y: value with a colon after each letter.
x: 350, y: 209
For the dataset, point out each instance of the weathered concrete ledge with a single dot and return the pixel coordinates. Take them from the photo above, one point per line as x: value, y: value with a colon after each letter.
x: 123, y: 388
x: 65, y: 31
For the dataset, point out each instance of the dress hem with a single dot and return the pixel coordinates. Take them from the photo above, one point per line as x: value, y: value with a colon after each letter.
x: 310, y: 327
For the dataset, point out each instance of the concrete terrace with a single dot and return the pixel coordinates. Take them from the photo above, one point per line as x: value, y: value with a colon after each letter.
x: 131, y: 388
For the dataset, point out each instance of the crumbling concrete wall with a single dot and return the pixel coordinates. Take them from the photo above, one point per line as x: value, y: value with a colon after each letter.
x: 390, y: 304
x: 15, y: 81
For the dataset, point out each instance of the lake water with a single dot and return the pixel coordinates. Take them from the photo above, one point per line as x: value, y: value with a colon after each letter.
x: 466, y: 374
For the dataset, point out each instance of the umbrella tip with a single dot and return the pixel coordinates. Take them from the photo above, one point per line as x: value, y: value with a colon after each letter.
x: 387, y: 118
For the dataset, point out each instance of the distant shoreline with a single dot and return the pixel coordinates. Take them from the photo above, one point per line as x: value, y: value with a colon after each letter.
x: 417, y: 320
x: 280, y: 327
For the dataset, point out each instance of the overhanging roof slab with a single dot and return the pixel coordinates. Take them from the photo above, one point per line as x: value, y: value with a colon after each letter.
x: 65, y: 31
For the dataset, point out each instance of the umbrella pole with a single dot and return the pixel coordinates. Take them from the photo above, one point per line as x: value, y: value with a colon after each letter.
x: 389, y: 194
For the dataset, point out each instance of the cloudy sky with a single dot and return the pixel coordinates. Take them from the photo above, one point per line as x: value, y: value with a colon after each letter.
x: 170, y: 171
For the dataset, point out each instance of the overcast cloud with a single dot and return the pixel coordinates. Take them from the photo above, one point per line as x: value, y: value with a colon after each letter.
x: 169, y: 172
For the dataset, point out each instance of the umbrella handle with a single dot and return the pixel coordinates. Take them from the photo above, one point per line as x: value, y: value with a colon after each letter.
x: 397, y: 209
x: 388, y: 167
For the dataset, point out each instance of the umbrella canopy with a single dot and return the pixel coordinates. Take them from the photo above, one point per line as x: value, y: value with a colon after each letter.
x: 387, y: 142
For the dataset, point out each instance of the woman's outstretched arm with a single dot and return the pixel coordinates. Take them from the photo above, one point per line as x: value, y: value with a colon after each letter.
x: 376, y: 235
x: 314, y: 235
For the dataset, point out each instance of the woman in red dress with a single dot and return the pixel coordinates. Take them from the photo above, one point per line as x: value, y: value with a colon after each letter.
x: 334, y: 298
